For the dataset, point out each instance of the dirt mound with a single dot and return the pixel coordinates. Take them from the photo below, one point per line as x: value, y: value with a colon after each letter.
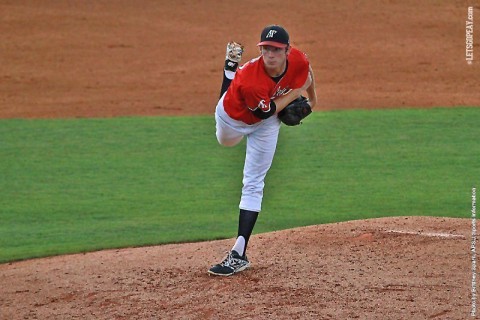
x: 389, y: 268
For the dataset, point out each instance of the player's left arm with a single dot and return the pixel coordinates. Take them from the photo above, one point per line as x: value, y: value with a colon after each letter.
x: 308, y: 86
x: 311, y: 91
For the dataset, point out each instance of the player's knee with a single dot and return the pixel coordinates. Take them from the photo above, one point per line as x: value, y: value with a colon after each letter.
x: 228, y: 142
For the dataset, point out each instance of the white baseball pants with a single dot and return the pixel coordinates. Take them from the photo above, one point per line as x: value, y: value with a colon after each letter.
x: 262, y: 140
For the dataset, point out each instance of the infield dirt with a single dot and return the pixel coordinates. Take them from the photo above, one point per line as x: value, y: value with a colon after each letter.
x: 156, y: 58
x: 116, y: 58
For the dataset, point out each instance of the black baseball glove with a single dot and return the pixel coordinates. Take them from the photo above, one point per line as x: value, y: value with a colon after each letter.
x: 295, y: 112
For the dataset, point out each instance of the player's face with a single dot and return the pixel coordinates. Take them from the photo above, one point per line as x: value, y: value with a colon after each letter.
x: 273, y: 57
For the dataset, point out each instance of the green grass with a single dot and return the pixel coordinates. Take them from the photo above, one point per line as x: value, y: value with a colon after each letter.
x: 87, y: 184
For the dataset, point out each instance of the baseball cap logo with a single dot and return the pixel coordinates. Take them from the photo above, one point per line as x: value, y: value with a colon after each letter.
x: 271, y: 33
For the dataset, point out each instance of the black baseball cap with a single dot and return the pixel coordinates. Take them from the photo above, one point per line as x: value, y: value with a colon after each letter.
x: 275, y: 36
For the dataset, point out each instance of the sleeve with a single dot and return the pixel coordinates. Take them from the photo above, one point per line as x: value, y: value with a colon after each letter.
x: 258, y: 100
x: 302, y: 66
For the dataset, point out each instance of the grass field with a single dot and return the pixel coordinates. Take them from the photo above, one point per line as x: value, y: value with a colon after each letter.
x: 87, y: 184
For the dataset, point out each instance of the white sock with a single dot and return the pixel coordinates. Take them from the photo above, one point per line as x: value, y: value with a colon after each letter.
x: 239, y: 245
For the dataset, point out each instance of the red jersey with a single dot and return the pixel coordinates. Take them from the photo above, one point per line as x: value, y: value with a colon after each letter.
x: 252, y: 87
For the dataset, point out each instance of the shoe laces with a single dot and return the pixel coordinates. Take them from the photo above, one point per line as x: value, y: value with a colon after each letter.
x: 230, y: 261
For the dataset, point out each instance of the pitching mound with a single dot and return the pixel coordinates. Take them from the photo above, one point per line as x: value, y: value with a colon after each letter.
x: 389, y: 268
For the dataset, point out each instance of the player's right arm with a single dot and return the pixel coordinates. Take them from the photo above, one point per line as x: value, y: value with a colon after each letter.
x: 265, y: 109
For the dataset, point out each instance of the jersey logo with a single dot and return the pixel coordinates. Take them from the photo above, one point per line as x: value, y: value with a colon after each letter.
x: 281, y: 92
x: 262, y: 105
x: 271, y: 33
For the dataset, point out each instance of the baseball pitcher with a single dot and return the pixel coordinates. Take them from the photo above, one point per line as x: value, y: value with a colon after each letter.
x: 255, y: 99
